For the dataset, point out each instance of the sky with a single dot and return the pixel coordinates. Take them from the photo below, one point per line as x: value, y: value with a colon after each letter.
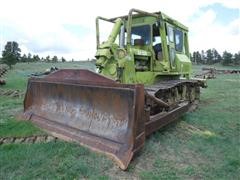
x: 67, y: 27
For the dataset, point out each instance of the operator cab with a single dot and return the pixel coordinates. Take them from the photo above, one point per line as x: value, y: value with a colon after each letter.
x: 141, y: 36
x: 147, y: 39
x: 141, y: 40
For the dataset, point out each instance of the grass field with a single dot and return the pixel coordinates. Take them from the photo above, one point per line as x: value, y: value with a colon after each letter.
x: 204, y: 145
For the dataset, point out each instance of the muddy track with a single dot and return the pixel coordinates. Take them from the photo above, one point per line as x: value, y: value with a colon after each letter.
x: 27, y: 140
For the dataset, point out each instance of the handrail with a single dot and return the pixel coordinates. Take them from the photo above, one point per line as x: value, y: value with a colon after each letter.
x: 97, y: 28
x: 129, y: 27
x: 130, y: 14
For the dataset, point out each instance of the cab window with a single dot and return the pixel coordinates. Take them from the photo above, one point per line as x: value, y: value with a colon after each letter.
x: 140, y: 35
x: 178, y: 40
x: 156, y: 34
x: 157, y: 45
x: 170, y: 34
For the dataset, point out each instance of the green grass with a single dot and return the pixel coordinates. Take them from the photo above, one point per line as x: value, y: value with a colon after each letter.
x: 17, y: 77
x: 204, y: 145
x: 9, y: 126
x: 51, y: 160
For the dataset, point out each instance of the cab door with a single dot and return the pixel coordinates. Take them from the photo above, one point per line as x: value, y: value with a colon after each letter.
x: 171, y: 46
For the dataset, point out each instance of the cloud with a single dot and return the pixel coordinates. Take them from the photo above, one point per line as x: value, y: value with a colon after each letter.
x: 206, y: 33
x: 67, y: 27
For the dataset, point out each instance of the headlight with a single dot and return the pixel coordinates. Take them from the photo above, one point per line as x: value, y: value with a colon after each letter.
x: 121, y: 53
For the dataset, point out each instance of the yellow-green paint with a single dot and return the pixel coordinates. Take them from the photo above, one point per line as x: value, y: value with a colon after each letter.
x: 138, y: 63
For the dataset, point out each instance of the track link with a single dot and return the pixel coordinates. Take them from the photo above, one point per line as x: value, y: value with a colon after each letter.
x: 27, y: 139
x: 168, y: 95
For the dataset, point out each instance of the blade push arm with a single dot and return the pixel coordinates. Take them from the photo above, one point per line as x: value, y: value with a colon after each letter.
x: 104, y: 52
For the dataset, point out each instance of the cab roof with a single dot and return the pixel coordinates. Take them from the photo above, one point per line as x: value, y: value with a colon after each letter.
x: 159, y: 15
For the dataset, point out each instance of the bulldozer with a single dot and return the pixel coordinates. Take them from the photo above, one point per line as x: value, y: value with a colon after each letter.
x: 143, y: 83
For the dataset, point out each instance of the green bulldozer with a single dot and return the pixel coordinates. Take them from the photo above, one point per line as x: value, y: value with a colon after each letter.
x: 143, y: 83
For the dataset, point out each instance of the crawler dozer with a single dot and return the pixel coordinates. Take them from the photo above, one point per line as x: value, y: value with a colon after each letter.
x: 143, y: 83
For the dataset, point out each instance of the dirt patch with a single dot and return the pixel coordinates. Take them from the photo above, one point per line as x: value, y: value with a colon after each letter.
x: 143, y: 161
x: 185, y: 127
x: 208, y: 101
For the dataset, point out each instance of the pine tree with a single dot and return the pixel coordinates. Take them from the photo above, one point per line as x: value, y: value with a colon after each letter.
x: 236, y: 58
x: 226, y: 58
x: 209, y: 56
x: 63, y: 59
x: 11, y: 54
x: 54, y: 59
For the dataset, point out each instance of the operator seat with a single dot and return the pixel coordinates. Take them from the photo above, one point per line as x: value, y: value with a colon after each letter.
x: 138, y: 42
x: 158, y: 51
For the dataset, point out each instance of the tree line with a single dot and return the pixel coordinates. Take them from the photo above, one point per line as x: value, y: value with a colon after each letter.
x: 211, y: 56
x: 12, y: 55
x: 35, y: 58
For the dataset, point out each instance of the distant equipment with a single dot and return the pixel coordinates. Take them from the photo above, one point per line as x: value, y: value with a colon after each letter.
x: 3, y: 71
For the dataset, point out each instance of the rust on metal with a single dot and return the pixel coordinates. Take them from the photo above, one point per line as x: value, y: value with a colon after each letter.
x: 99, y: 113
x: 92, y: 110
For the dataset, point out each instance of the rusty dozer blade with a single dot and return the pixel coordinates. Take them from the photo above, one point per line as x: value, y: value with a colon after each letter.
x: 82, y: 106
